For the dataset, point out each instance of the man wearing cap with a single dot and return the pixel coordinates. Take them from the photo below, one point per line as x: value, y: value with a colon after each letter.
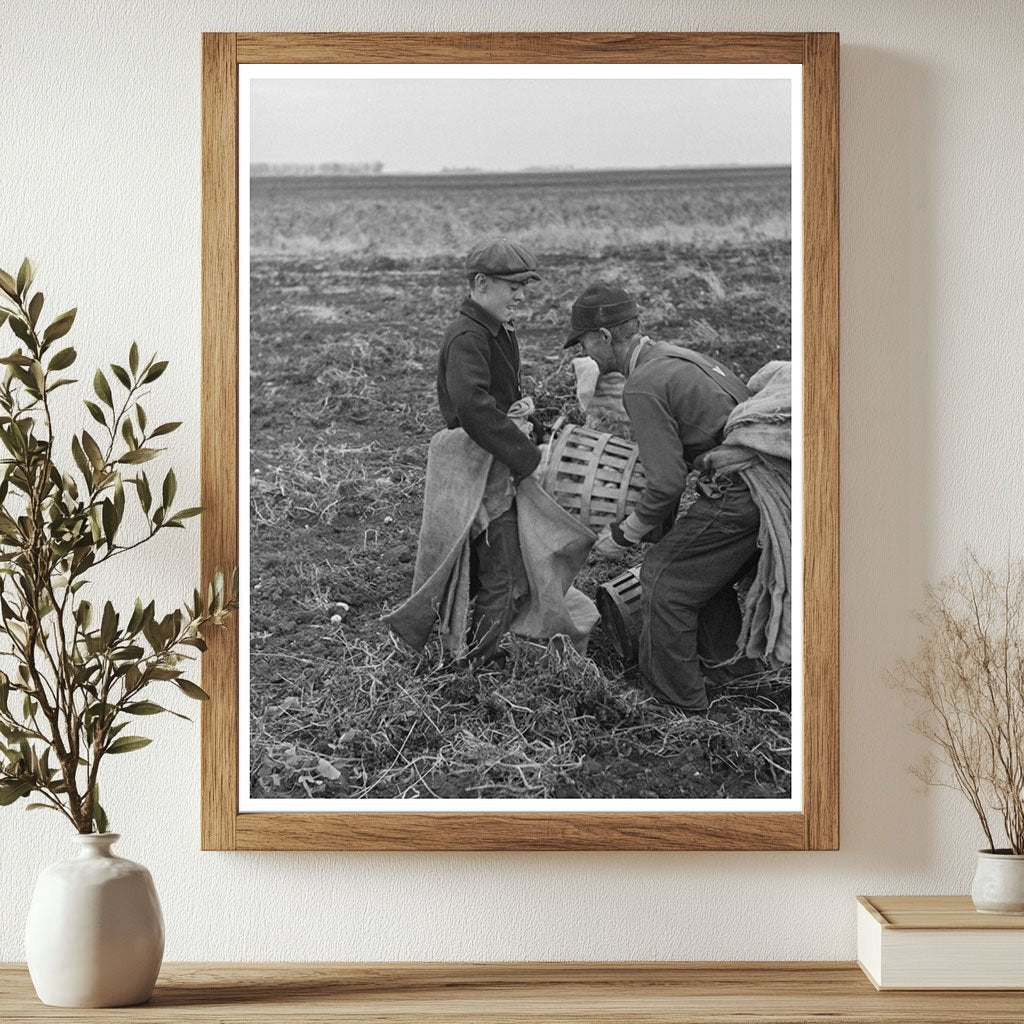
x: 678, y: 402
x: 478, y: 382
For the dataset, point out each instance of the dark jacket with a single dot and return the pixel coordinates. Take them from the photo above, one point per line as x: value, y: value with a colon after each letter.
x: 477, y: 382
x: 677, y: 401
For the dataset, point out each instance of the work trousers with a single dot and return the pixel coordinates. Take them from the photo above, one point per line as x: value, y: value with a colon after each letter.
x: 498, y: 583
x: 688, y: 603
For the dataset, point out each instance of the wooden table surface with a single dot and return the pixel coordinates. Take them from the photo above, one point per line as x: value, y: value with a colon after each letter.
x: 659, y: 993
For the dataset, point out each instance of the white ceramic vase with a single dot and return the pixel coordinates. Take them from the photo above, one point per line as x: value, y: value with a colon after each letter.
x: 999, y: 882
x: 95, y: 934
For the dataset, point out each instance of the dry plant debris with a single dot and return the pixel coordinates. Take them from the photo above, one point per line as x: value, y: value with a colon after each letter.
x: 351, y: 287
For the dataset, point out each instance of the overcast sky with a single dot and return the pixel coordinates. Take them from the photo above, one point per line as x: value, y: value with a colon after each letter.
x: 422, y: 125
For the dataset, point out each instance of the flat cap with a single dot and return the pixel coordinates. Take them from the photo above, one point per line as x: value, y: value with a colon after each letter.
x: 500, y: 257
x: 601, y: 305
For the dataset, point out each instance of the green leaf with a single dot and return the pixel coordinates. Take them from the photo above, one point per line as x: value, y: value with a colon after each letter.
x: 16, y: 359
x: 80, y: 459
x: 102, y: 388
x: 95, y: 412
x: 116, y: 730
x: 140, y: 415
x: 99, y: 816
x: 119, y: 499
x: 164, y: 673
x: 147, y: 707
x: 165, y: 428
x: 20, y: 328
x: 109, y: 521
x: 154, y: 372
x: 34, y: 308
x: 145, y: 497
x: 133, y: 358
x: 135, y: 622
x: 151, y: 631
x: 42, y: 807
x: 185, y: 513
x: 191, y: 690
x: 8, y: 285
x: 83, y: 613
x: 14, y: 790
x: 60, y: 326
x: 10, y: 442
x: 170, y: 488
x: 139, y: 455
x: 92, y: 449
x: 126, y: 744
x: 128, y: 433
x: 143, y: 707
x: 12, y: 733
x: 96, y: 711
x: 26, y: 274
x: 130, y: 653
x: 121, y: 374
x: 108, y: 627
x: 132, y: 679
x: 63, y: 359
x: 17, y: 632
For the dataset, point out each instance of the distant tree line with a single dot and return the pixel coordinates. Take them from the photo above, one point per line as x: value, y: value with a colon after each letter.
x: 264, y: 170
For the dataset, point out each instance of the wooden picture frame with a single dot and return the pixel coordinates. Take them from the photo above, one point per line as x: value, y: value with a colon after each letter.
x: 816, y: 826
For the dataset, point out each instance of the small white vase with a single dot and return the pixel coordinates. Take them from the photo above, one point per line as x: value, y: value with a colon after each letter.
x: 95, y: 934
x: 999, y: 882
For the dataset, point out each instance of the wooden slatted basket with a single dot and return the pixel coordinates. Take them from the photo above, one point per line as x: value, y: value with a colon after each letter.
x: 618, y: 601
x: 594, y: 476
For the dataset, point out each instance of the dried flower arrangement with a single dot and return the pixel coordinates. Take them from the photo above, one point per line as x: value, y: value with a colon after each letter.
x: 967, y: 679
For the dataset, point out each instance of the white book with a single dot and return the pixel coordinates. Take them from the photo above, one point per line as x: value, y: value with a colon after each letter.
x: 938, y: 942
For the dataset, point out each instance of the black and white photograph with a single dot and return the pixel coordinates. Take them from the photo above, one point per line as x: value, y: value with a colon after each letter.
x: 520, y: 437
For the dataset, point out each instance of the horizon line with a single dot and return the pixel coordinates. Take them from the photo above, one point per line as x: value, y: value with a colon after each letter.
x: 313, y: 169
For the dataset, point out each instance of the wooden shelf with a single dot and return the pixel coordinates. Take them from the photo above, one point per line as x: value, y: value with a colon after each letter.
x: 524, y: 993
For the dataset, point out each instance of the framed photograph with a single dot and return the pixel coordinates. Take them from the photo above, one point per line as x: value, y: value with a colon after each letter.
x: 520, y: 421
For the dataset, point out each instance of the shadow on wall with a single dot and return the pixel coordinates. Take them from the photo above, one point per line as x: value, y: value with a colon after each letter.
x: 888, y: 270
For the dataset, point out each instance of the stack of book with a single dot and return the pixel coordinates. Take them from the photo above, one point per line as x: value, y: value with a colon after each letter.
x: 938, y: 942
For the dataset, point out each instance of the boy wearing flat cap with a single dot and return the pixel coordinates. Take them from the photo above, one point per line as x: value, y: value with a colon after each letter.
x: 478, y: 382
x: 678, y: 402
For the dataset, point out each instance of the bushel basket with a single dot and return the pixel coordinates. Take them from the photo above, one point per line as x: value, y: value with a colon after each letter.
x: 594, y: 476
x: 618, y: 601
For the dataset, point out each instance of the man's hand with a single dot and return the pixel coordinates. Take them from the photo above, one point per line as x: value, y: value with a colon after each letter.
x: 608, y: 546
x: 633, y: 530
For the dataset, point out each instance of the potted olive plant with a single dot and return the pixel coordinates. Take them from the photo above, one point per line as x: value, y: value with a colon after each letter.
x: 967, y: 680
x: 78, y: 670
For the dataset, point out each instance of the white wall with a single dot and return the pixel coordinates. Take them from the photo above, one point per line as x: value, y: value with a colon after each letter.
x: 99, y: 181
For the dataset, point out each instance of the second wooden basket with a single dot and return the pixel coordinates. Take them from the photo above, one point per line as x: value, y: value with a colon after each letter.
x: 594, y: 476
x: 618, y: 601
